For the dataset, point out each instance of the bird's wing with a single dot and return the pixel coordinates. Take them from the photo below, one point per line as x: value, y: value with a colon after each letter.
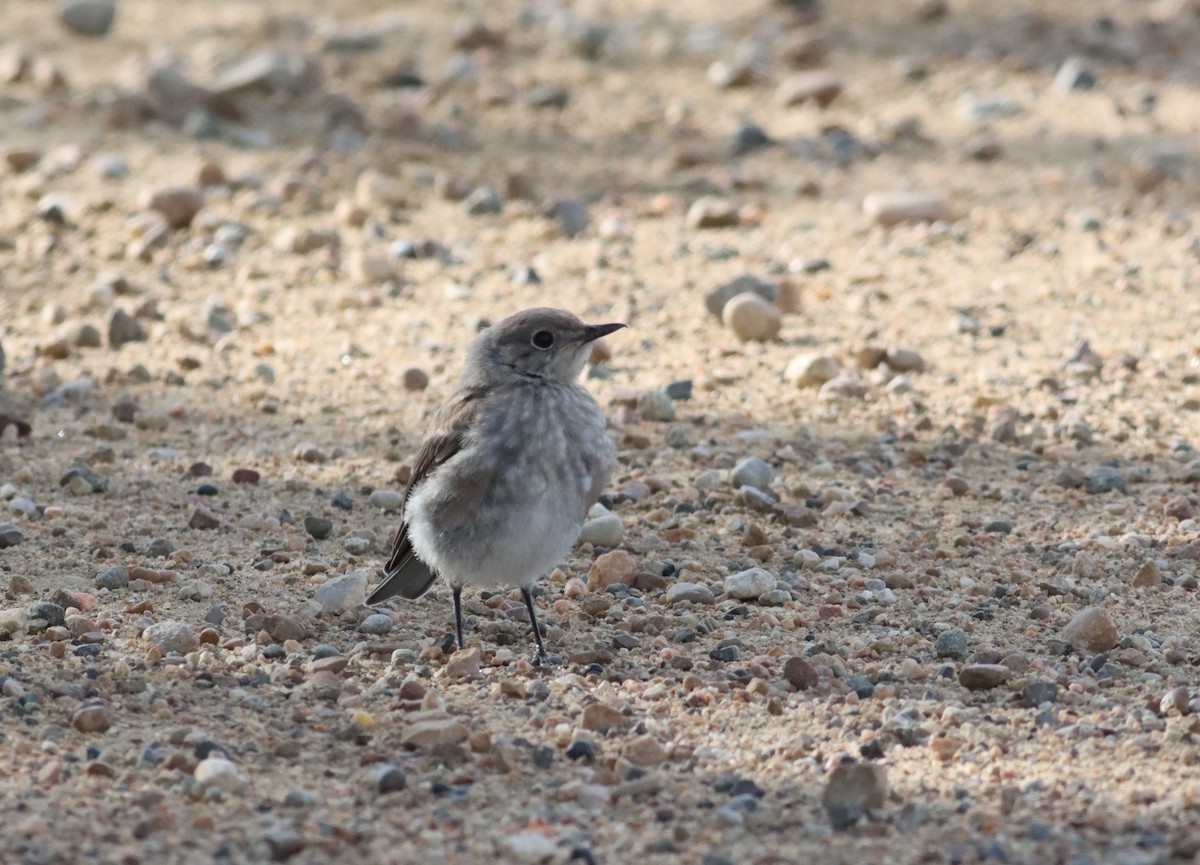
x: 407, y: 575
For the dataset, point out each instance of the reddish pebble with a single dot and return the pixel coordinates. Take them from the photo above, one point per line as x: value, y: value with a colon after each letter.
x: 84, y: 601
x: 830, y: 611
x: 200, y: 470
x: 246, y: 476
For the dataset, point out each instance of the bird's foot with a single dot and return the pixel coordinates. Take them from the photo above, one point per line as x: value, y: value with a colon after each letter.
x: 545, y: 659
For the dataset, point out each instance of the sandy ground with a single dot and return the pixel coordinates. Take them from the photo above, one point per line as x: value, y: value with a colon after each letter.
x: 979, y: 634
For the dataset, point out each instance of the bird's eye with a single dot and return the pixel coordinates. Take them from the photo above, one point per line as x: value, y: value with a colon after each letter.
x: 543, y: 339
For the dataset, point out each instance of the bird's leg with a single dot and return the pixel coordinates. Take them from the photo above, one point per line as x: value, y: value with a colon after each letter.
x: 458, y: 616
x: 542, y: 657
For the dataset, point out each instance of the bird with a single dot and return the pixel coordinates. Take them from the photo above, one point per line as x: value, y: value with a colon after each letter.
x: 514, y: 459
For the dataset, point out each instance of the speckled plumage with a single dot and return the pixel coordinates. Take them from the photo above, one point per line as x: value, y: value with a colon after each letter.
x: 515, y: 458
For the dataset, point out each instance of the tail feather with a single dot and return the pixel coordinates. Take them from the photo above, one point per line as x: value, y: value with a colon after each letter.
x: 406, y: 575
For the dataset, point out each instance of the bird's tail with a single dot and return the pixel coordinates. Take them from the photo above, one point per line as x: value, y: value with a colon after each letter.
x: 407, y: 576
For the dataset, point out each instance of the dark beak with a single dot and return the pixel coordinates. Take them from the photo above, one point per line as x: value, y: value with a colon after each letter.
x: 595, y: 331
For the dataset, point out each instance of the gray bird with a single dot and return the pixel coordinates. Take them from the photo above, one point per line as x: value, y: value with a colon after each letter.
x: 516, y: 456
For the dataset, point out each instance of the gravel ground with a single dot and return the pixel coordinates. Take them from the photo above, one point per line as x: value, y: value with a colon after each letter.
x: 900, y: 561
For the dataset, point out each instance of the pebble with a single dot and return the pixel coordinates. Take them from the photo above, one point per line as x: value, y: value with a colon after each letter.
x: 752, y: 318
x: 318, y: 527
x: 800, y: 674
x: 749, y: 584
x: 1092, y: 629
x: 92, y: 717
x: 904, y: 360
x: 601, y: 718
x: 571, y: 215
x: 377, y: 624
x: 694, y: 593
x: 644, y: 751
x: 711, y: 211
x: 893, y: 208
x: 112, y: 577
x: 811, y: 370
x: 844, y: 386
x: 388, y: 778
x: 819, y: 87
x: 612, y: 568
x: 752, y: 472
x: 656, y: 406
x: 245, y: 476
x: 124, y: 328
x: 88, y: 17
x: 679, y: 390
x: 604, y: 531
x: 387, y: 500
x: 1149, y: 574
x: 281, y: 628
x: 716, y: 299
x: 215, y: 772
x: 465, y: 664
x: 177, y: 204
x: 433, y: 733
x: 415, y: 379
x: 172, y: 636
x: 1074, y: 74
x: 374, y: 189
x: 369, y: 269
x: 951, y: 644
x: 529, y: 846
x: 998, y: 527
x: 283, y: 842
x: 1037, y: 692
x: 10, y: 535
x: 1153, y: 164
x: 981, y: 677
x: 203, y: 519
x: 483, y: 201
x: 342, y: 593
x: 852, y: 791
x: 1103, y: 479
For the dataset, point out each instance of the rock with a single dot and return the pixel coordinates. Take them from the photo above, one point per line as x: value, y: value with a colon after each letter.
x: 615, y: 566
x: 124, y: 328
x: 318, y: 527
x: 655, y: 405
x: 727, y: 74
x: 694, y: 593
x: 716, y: 299
x: 853, y: 790
x: 177, y: 204
x: 342, y: 593
x: 1154, y: 164
x: 10, y: 535
x: 1069, y: 476
x: 215, y: 772
x: 14, y: 413
x: 267, y: 70
x: 1176, y: 701
x: 1092, y: 629
x: 800, y: 674
x: 388, y: 778
x: 203, y: 519
x: 433, y: 733
x: 604, y: 531
x: 572, y: 216
x: 50, y: 613
x: 370, y: 269
x: 811, y: 370
x: 601, y: 718
x: 998, y: 527
x: 904, y: 360
x: 1074, y: 74
x: 1036, y: 693
x: 981, y: 677
x: 172, y: 636
x: 283, y: 842
x: 483, y: 201
x: 387, y: 500
x: 819, y: 87
x: 377, y: 624
x: 752, y: 318
x: 281, y: 628
x: 379, y: 190
x: 245, y: 476
x: 844, y: 386
x: 951, y: 644
x: 1181, y: 508
x: 415, y: 379
x: 92, y: 717
x: 88, y: 17
x: 1104, y: 479
x: 752, y: 472
x: 464, y: 664
x: 748, y: 585
x: 803, y: 47
x: 892, y: 208
x: 529, y: 846
x: 1149, y: 574
x: 711, y: 211
x: 112, y: 577
x: 644, y: 751
x: 679, y: 390
x: 747, y: 138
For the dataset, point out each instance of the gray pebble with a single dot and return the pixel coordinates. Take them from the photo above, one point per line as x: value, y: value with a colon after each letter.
x: 52, y: 614
x: 172, y: 636
x: 483, y: 201
x: 388, y: 500
x: 679, y: 390
x: 318, y: 527
x: 1103, y: 479
x: 88, y: 17
x: 748, y: 585
x: 389, y: 778
x: 376, y: 623
x: 603, y: 531
x: 952, y: 644
x: 343, y: 592
x: 999, y: 527
x: 716, y: 299
x: 1036, y: 693
x: 752, y: 472
x: 690, y: 592
x: 113, y: 577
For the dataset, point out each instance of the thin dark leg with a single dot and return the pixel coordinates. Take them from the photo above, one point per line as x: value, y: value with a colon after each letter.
x: 537, y: 633
x: 458, y: 615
